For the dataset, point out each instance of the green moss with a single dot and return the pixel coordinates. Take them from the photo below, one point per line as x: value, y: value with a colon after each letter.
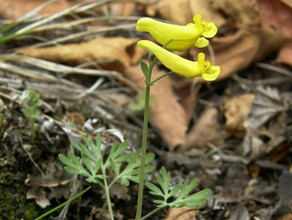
x: 14, y: 204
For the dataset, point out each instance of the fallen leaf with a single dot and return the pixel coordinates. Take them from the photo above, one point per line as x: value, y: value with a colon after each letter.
x: 187, y: 92
x: 281, y: 13
x: 122, y: 9
x: 182, y: 12
x: 236, y: 112
x: 267, y: 104
x: 39, y: 195
x: 166, y: 114
x: 183, y: 213
x: 286, y: 217
x: 266, y: 123
x: 285, y: 54
x: 233, y: 52
x: 285, y: 191
x: 206, y: 130
x: 114, y: 53
x: 14, y: 9
x: 244, y: 38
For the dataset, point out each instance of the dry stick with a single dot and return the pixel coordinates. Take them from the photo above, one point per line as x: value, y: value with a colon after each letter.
x: 86, y: 33
x: 76, y: 8
x: 70, y: 24
x: 59, y: 68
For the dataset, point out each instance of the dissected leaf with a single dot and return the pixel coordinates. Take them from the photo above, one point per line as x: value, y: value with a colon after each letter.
x: 118, y: 52
x: 166, y: 114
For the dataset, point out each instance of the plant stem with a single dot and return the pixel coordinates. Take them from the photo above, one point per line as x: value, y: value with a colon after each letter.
x: 161, y: 77
x: 150, y: 213
x: 107, y: 194
x: 32, y: 130
x: 63, y: 204
x: 144, y: 146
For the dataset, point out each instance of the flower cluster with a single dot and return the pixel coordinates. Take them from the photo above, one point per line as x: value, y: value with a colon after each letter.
x: 180, y: 38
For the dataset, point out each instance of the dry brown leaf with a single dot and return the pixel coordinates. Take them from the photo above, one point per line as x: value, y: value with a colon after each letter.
x: 285, y: 54
x: 182, y: 12
x: 233, y: 52
x: 13, y: 9
x: 206, y: 130
x: 122, y: 9
x: 166, y: 114
x: 187, y: 93
x: 118, y: 52
x: 286, y: 217
x: 236, y: 111
x: 281, y: 12
x: 183, y: 213
x: 278, y: 15
x: 249, y: 40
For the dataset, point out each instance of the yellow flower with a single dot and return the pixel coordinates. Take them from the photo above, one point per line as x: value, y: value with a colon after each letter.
x: 180, y: 65
x: 181, y: 38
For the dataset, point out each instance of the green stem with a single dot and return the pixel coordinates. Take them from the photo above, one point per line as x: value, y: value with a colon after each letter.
x: 161, y: 77
x: 107, y: 194
x: 144, y: 146
x: 63, y: 204
x: 32, y: 131
x: 150, y: 213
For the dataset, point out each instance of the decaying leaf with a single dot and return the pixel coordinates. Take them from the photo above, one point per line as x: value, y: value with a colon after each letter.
x: 122, y: 9
x: 285, y: 54
x: 183, y: 213
x: 281, y: 12
x: 206, y: 130
x: 236, y: 112
x: 244, y: 38
x: 166, y: 114
x: 182, y: 12
x: 39, y: 195
x: 265, y: 126
x: 14, y: 9
x: 268, y: 103
x: 114, y: 53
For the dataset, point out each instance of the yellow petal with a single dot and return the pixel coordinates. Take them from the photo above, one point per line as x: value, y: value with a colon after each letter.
x: 177, y: 37
x: 180, y: 65
x: 201, y: 42
x: 212, y: 73
x: 210, y: 30
x: 172, y: 61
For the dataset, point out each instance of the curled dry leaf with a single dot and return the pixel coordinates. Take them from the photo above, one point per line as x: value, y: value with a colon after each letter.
x: 285, y: 54
x: 14, y: 9
x: 166, y: 114
x: 236, y: 112
x: 206, y: 130
x: 245, y: 38
x: 114, y: 53
x: 281, y: 12
x: 183, y: 213
x: 122, y: 9
x: 182, y: 12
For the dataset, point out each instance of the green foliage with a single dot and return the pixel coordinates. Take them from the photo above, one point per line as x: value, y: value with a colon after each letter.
x: 140, y: 104
x: 31, y: 102
x: 144, y: 68
x: 91, y: 162
x: 182, y: 192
